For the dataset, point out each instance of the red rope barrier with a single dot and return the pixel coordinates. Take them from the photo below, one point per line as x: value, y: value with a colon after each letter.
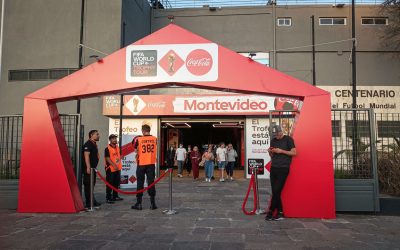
x: 251, y: 184
x: 132, y: 192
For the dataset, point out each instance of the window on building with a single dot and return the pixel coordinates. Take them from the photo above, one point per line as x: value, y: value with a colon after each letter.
x: 58, y: 73
x: 18, y: 75
x: 260, y: 57
x: 336, y: 129
x: 38, y: 74
x: 284, y: 21
x: 374, y: 21
x: 389, y: 129
x: 332, y: 21
x: 362, y: 128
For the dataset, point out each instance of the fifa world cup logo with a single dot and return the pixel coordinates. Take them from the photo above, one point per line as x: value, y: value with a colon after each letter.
x: 171, y: 60
x: 135, y: 105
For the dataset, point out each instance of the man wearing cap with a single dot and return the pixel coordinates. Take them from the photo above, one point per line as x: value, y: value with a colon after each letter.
x: 113, y: 166
x: 282, y: 150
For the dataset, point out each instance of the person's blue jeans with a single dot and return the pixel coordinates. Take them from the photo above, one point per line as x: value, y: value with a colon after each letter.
x: 180, y: 167
x: 209, y: 166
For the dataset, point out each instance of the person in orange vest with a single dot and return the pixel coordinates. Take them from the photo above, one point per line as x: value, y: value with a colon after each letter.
x: 146, y: 149
x: 113, y: 166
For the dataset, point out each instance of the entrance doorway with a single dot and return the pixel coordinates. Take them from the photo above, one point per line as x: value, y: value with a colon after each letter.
x: 202, y: 133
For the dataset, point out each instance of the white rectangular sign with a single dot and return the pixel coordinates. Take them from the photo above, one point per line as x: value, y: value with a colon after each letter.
x: 130, y: 129
x: 223, y: 104
x: 257, y: 144
x: 383, y: 99
x: 172, y: 63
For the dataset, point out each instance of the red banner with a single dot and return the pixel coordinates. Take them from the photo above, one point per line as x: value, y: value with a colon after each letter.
x: 167, y: 105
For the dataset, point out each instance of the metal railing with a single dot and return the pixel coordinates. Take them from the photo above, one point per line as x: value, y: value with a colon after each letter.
x: 352, y: 153
x: 356, y: 165
x: 388, y: 152
x: 10, y: 146
x: 11, y: 137
x: 175, y: 4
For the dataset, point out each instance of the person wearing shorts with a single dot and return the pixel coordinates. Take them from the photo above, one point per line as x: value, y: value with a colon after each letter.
x: 221, y: 158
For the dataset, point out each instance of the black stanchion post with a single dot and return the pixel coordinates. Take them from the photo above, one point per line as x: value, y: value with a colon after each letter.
x: 170, y: 211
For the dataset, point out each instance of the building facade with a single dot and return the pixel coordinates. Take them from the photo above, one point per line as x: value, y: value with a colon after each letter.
x: 41, y: 38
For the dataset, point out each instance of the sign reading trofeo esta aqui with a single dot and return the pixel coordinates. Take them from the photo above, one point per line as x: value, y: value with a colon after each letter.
x: 150, y: 105
x: 172, y: 63
x: 130, y: 129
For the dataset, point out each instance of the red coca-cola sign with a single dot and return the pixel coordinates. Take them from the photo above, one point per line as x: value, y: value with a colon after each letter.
x: 199, y: 62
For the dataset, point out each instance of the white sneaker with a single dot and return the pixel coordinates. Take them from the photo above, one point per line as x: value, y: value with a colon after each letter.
x: 231, y: 178
x: 222, y: 180
x: 209, y: 180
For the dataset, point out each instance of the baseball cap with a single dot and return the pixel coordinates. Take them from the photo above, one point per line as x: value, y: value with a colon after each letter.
x: 274, y: 129
x: 112, y: 136
x: 277, y: 128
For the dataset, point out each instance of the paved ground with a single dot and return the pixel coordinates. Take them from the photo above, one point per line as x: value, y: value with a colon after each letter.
x: 209, y: 218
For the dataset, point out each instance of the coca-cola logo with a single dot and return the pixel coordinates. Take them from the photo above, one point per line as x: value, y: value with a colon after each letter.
x: 199, y: 62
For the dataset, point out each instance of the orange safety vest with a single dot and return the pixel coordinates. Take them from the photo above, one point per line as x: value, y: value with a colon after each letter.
x: 146, y: 150
x: 115, y: 157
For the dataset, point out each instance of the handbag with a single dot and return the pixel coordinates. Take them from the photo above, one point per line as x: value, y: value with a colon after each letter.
x: 203, y: 161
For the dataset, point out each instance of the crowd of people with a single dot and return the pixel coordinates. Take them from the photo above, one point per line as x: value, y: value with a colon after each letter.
x: 192, y: 159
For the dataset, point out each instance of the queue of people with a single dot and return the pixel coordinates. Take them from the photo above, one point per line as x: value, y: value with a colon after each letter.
x: 281, y: 151
x: 192, y: 159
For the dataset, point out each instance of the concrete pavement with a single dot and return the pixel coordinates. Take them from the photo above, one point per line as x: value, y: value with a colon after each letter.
x: 209, y: 217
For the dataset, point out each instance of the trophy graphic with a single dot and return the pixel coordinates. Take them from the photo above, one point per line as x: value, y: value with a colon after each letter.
x: 135, y: 104
x: 171, y: 60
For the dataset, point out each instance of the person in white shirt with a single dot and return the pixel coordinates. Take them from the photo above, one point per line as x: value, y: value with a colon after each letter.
x: 221, y: 158
x: 180, y: 157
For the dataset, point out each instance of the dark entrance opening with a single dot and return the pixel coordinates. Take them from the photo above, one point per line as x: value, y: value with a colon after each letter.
x: 203, y: 133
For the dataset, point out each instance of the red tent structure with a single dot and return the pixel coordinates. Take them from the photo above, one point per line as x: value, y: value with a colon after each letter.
x: 309, y: 191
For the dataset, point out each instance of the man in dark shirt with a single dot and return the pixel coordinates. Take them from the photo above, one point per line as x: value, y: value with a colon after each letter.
x: 90, y: 160
x: 281, y: 151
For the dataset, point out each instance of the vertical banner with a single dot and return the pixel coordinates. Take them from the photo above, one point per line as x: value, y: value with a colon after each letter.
x: 173, y: 138
x: 130, y: 129
x: 257, y: 144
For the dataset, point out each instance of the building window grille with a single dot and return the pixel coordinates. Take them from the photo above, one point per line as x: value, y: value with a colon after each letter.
x: 284, y: 21
x: 362, y: 129
x: 39, y: 74
x: 332, y: 21
x: 389, y: 129
x: 374, y: 21
x: 336, y: 129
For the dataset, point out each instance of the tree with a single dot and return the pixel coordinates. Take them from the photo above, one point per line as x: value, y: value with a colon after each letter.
x: 391, y: 36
